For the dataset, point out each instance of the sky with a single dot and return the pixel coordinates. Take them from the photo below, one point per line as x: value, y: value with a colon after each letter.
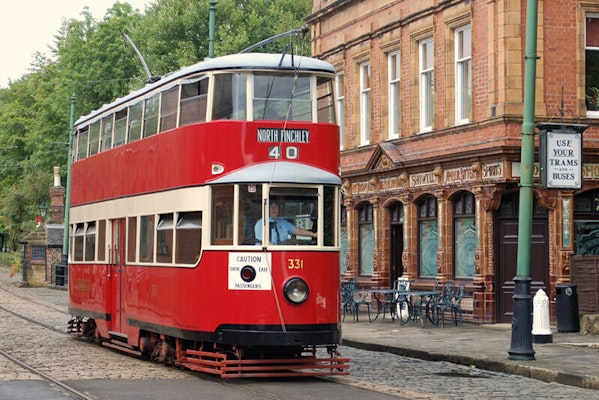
x: 29, y: 26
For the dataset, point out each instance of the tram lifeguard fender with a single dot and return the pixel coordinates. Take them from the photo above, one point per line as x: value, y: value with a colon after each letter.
x: 280, y: 171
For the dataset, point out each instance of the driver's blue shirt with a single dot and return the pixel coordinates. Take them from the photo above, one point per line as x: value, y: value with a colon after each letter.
x: 280, y: 229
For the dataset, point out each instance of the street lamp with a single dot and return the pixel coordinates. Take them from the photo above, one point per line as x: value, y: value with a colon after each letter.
x: 43, y: 210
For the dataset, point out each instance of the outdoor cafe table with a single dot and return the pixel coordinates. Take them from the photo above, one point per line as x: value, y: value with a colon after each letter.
x: 389, y: 298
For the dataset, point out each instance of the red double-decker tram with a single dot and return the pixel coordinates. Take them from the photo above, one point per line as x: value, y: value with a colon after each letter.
x: 204, y: 219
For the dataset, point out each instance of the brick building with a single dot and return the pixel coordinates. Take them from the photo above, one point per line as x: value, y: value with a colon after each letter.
x: 430, y: 99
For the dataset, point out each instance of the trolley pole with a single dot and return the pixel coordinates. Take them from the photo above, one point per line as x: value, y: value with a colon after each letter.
x: 64, y: 260
x: 521, y: 346
x: 211, y: 28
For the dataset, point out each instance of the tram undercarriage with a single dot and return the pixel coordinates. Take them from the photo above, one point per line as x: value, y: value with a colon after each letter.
x: 225, y: 361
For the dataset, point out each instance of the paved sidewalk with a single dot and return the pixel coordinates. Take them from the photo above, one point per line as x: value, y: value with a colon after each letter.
x: 571, y: 359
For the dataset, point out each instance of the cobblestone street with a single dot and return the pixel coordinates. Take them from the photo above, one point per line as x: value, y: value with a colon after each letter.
x: 378, y: 371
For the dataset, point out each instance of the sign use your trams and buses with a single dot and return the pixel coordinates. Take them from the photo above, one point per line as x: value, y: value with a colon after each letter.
x: 561, y: 155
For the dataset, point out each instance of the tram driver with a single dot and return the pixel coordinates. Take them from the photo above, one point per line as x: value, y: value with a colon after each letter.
x: 280, y: 228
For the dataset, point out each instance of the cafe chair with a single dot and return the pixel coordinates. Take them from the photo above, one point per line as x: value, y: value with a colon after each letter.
x: 403, y: 303
x: 445, y: 300
x: 456, y: 305
x: 351, y: 299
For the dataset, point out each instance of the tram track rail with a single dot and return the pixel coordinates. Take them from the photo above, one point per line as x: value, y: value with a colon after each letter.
x: 71, y: 390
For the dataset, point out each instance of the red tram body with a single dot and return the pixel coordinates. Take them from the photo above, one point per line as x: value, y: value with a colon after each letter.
x: 173, y: 253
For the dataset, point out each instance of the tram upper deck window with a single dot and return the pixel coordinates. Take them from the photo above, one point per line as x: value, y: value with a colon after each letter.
x: 82, y: 138
x: 135, y: 117
x: 230, y: 97
x: 120, y: 127
x: 168, y: 108
x: 194, y: 99
x: 107, y: 132
x: 94, y: 138
x: 151, y: 115
x: 325, y: 101
x: 282, y: 97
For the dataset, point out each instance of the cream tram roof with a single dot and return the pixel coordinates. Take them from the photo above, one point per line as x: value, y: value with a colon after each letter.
x: 241, y: 61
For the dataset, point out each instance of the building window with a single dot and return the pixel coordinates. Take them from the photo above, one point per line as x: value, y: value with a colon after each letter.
x: 364, y: 103
x: 366, y: 238
x: 38, y: 253
x: 343, y: 252
x: 428, y: 234
x: 427, y: 85
x: 592, y: 65
x: 393, y: 62
x: 464, y: 235
x: 463, y: 74
x: 340, y: 88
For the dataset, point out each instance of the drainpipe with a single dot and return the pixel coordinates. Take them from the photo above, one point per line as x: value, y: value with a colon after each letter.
x: 521, y: 345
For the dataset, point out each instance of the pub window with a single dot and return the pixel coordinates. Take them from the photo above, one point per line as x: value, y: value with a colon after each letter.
x: 78, y: 245
x: 463, y: 74
x: 592, y: 64
x: 194, y: 96
x: 90, y: 242
x: 428, y: 234
x: 464, y: 235
x: 164, y: 239
x: 366, y: 238
x: 364, y: 103
x: 343, y: 252
x: 151, y: 115
x: 131, y: 239
x: 135, y: 117
x: 394, y: 106
x: 340, y: 88
x: 427, y: 85
x: 168, y: 109
x: 146, y: 238
x: 188, y: 237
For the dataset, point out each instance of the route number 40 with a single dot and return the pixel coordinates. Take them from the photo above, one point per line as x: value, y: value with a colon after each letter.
x: 291, y: 152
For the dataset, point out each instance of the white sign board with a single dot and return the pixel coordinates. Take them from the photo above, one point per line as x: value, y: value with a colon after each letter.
x: 561, y: 158
x: 258, y: 263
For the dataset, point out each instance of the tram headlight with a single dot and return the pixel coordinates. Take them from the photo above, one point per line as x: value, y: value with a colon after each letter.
x: 296, y: 290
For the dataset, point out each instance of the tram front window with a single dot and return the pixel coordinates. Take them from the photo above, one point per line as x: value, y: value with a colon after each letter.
x: 292, y: 217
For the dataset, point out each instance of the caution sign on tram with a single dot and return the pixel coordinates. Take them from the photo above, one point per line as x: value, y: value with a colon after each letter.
x: 249, y: 271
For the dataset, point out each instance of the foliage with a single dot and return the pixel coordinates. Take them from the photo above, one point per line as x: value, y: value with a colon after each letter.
x: 91, y: 60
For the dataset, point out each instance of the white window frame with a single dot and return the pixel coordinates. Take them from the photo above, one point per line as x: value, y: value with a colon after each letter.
x: 427, y: 84
x: 590, y: 113
x: 463, y: 74
x: 365, y: 103
x: 340, y: 89
x: 394, y: 103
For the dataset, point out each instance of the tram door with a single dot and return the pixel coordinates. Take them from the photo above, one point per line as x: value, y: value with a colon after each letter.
x: 117, y: 275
